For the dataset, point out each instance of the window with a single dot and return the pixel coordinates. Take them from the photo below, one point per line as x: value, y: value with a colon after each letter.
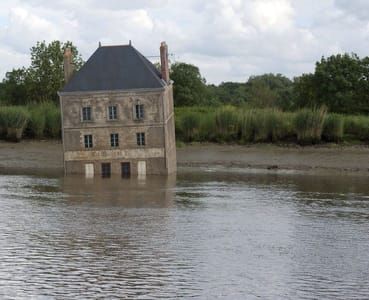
x: 105, y: 170
x: 86, y: 113
x: 139, y: 111
x: 140, y: 138
x: 112, y: 113
x: 126, y: 169
x: 88, y: 141
x: 114, y: 140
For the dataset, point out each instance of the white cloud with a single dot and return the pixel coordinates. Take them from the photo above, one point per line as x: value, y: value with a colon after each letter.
x: 227, y: 39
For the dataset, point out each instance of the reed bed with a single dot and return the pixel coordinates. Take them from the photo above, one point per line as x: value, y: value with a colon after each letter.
x: 34, y: 121
x: 309, y: 124
x: 333, y: 129
x: 357, y: 127
x: 13, y: 120
x: 245, y: 125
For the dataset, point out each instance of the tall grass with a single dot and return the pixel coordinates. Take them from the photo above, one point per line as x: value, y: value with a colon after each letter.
x: 13, y: 120
x: 226, y: 123
x: 37, y: 120
x: 264, y: 125
x: 45, y: 120
x: 333, y: 128
x: 357, y: 127
x: 248, y: 125
x: 308, y: 124
x: 190, y: 124
x: 52, y: 120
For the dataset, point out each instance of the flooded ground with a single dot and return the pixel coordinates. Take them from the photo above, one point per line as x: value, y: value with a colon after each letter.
x: 205, y: 234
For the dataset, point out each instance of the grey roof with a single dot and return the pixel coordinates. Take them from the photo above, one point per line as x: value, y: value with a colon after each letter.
x: 115, y: 68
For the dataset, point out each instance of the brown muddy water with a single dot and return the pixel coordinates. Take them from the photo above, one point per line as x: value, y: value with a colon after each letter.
x: 205, y: 234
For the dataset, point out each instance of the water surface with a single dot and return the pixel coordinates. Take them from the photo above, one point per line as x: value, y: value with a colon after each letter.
x: 212, y: 234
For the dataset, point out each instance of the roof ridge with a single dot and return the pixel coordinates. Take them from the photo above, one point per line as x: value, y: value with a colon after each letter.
x: 146, y: 61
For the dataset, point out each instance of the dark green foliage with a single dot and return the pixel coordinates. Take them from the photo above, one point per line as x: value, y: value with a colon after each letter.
x: 340, y: 82
x: 233, y: 93
x: 189, y: 86
x: 333, y: 128
x: 270, y: 90
x: 13, y: 89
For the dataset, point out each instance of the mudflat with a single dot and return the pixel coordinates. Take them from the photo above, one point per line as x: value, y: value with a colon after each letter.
x: 29, y: 157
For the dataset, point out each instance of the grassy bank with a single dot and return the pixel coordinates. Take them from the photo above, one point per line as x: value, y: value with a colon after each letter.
x: 245, y: 125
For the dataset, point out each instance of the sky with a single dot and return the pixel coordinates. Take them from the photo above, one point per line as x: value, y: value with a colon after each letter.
x: 229, y: 40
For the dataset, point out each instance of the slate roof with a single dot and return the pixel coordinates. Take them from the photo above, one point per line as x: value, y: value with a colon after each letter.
x: 115, y: 68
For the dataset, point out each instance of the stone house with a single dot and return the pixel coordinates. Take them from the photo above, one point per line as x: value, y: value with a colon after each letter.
x: 117, y: 114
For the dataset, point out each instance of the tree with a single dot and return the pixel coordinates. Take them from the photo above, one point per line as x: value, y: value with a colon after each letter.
x: 270, y: 90
x: 46, y: 70
x: 341, y: 82
x: 228, y: 92
x: 43, y: 78
x: 189, y: 86
x: 14, y: 87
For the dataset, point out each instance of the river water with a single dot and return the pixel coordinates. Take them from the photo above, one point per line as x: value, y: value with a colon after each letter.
x: 205, y: 234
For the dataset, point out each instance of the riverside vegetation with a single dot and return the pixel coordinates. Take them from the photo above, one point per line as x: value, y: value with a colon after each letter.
x: 250, y: 125
x: 40, y: 120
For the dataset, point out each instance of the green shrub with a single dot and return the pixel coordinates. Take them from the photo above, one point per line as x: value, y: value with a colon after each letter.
x: 333, y: 128
x: 309, y: 124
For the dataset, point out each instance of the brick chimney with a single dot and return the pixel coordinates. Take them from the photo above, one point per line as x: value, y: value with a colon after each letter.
x: 164, y: 62
x: 68, y: 64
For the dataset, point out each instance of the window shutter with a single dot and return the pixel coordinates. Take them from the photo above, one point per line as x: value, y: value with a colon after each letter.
x: 134, y: 110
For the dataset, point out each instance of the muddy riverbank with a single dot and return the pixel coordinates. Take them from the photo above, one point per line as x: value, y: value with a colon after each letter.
x: 30, y: 157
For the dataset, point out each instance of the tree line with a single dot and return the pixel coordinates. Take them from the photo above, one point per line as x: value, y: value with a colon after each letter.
x: 339, y: 82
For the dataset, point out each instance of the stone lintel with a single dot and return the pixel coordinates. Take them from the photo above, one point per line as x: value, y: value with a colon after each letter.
x: 91, y: 155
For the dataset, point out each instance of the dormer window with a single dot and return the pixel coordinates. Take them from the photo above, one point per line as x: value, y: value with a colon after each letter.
x: 86, y: 113
x: 112, y: 112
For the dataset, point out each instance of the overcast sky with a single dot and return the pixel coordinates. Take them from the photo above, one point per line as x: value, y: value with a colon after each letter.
x: 228, y: 39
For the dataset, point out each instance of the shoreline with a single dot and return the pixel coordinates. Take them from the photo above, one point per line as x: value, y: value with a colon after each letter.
x: 31, y: 157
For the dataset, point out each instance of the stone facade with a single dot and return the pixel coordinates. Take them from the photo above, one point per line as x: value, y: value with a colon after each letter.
x: 158, y: 153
